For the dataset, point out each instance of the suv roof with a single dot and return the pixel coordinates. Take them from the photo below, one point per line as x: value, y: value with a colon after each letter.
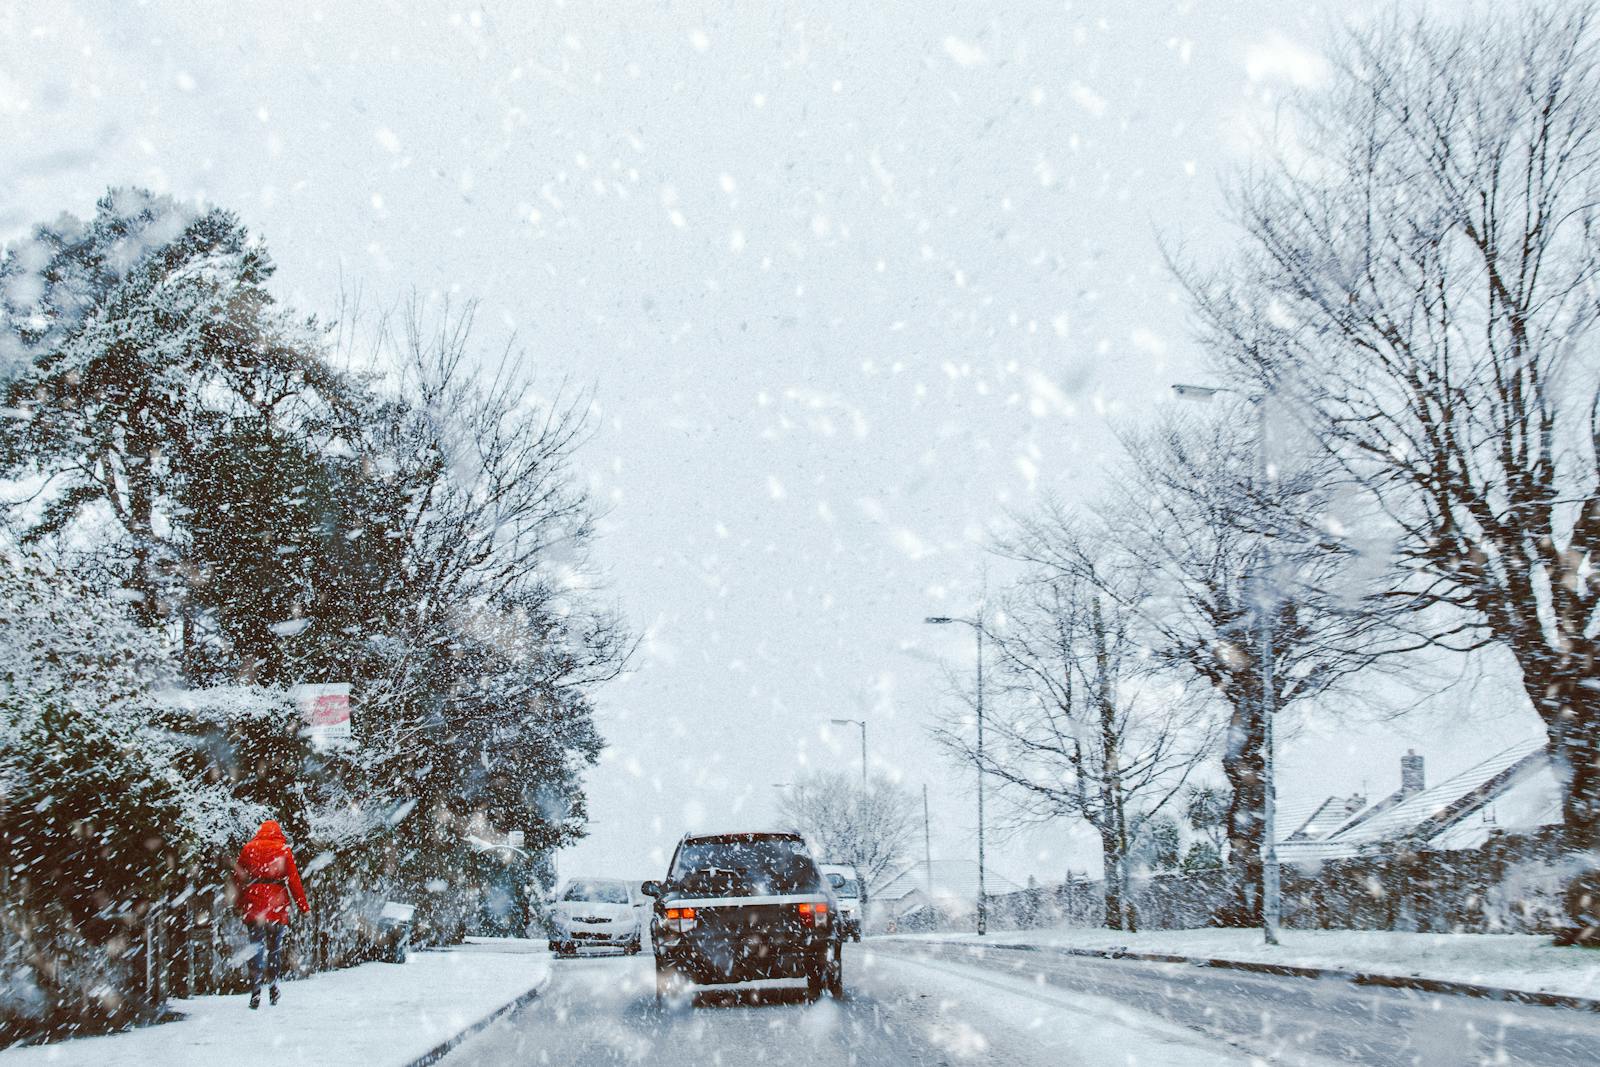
x: 745, y: 835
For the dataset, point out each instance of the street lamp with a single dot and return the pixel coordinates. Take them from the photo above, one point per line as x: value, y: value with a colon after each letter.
x: 863, y: 726
x: 782, y: 798
x: 977, y: 628
x: 861, y: 813
x: 1271, y: 905
x: 927, y: 845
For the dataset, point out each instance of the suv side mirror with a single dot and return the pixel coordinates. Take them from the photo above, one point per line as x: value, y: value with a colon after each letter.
x: 651, y: 889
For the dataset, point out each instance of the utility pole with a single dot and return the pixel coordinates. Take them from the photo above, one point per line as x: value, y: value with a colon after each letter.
x: 927, y: 845
x: 983, y: 892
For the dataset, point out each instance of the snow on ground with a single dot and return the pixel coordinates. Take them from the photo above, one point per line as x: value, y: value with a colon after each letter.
x: 978, y: 1015
x: 1508, y: 961
x: 377, y: 1014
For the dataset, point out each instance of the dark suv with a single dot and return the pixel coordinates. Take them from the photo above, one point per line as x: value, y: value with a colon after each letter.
x: 745, y: 906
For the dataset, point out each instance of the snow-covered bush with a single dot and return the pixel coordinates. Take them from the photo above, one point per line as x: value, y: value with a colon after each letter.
x: 92, y: 823
x: 92, y: 815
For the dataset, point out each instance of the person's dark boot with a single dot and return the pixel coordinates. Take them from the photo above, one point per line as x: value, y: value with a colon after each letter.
x: 255, y: 999
x: 272, y: 993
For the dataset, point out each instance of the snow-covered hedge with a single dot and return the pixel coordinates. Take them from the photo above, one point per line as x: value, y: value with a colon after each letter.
x: 93, y: 815
x: 119, y: 792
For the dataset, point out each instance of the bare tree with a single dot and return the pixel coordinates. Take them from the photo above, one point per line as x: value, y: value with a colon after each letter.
x: 1418, y: 277
x: 495, y: 499
x: 497, y: 527
x: 1082, y: 727
x: 871, y: 830
x: 1192, y: 518
x: 484, y: 686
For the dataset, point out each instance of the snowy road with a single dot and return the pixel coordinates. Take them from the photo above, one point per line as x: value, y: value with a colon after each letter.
x: 897, y: 1011
x: 1302, y: 1021
x: 908, y: 1005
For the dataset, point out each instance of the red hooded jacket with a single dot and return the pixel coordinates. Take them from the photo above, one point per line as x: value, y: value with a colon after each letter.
x: 265, y: 875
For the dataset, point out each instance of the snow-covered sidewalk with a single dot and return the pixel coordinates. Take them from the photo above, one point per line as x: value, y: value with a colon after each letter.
x: 378, y: 1014
x: 1524, y: 962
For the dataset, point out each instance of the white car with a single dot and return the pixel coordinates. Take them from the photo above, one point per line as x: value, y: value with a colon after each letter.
x: 599, y: 912
x: 846, y: 886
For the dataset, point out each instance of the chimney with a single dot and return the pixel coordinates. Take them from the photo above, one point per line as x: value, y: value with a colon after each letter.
x: 1411, y: 778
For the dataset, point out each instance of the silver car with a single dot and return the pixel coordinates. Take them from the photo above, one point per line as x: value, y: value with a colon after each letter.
x: 595, y: 912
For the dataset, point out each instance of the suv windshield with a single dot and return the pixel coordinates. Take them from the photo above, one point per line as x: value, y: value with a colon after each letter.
x: 598, y: 892
x: 742, y: 865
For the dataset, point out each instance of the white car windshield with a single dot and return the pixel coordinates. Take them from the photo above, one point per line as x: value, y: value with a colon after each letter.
x: 597, y: 892
x: 843, y: 886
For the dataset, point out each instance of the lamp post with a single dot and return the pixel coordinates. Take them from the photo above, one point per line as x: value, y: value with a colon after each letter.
x: 861, y: 815
x: 1271, y: 904
x: 783, y: 796
x: 927, y: 845
x: 977, y: 628
x: 863, y: 726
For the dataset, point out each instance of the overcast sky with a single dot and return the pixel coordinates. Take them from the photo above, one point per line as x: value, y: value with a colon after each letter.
x: 849, y: 282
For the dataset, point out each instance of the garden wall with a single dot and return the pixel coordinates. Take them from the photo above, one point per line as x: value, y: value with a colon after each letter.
x: 1512, y: 884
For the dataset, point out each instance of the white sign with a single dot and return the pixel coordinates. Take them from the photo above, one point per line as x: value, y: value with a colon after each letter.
x: 326, y: 709
x: 393, y: 909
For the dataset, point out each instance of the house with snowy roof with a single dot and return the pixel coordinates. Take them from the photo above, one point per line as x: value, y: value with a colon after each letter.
x: 1514, y: 790
x: 944, y: 893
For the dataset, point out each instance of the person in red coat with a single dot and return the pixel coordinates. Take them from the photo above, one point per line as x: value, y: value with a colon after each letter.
x: 267, y: 881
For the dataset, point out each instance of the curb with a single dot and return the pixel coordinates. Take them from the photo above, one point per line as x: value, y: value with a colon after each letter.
x: 1282, y: 970
x: 443, y: 1048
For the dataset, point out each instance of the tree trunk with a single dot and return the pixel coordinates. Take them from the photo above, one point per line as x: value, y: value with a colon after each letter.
x: 140, y: 461
x: 1243, y: 765
x: 1574, y: 730
x: 1111, y: 858
x: 1113, y: 825
x: 1570, y: 707
x: 1130, y: 921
